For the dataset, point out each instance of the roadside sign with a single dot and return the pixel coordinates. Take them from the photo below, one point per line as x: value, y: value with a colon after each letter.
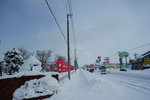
x: 146, y: 61
x: 97, y: 61
x: 99, y: 58
x: 123, y: 54
x: 107, y: 58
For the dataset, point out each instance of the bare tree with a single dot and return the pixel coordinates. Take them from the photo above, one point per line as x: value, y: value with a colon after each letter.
x: 24, y: 53
x: 42, y: 56
x: 58, y: 57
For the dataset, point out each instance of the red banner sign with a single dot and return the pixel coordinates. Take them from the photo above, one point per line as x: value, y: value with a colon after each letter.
x: 63, y: 66
x: 99, y: 58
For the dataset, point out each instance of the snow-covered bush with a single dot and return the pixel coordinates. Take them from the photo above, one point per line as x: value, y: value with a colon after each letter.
x: 31, y: 64
x: 37, y: 87
x: 13, y: 60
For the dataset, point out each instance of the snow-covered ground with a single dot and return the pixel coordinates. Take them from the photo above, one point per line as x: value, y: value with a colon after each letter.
x: 112, y: 86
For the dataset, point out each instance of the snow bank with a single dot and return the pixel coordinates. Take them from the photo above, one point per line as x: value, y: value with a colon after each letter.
x: 65, y: 74
x: 36, y: 87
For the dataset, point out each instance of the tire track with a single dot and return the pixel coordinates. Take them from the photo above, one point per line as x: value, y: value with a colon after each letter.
x: 137, y: 87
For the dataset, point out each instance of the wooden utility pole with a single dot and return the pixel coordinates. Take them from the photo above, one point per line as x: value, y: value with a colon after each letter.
x: 68, y: 46
x: 75, y: 61
x: 135, y: 55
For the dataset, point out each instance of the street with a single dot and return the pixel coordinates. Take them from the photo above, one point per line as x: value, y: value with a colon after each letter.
x: 112, y: 86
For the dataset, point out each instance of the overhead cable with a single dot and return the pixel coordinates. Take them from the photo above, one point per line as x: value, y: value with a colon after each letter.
x: 56, y: 20
x: 72, y: 22
x: 138, y: 47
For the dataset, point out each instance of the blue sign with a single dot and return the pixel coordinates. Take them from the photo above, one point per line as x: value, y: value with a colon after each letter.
x: 123, y: 54
x: 97, y: 61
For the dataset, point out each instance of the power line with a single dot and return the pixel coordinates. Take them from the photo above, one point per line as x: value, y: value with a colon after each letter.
x: 56, y: 20
x: 138, y: 47
x: 73, y: 31
x: 72, y: 22
x: 69, y: 6
x: 132, y: 49
x: 68, y: 9
x: 65, y: 5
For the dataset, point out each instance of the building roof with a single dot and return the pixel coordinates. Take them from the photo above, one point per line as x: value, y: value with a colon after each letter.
x: 145, y: 54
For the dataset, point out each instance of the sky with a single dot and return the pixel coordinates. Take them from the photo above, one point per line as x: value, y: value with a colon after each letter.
x: 102, y: 27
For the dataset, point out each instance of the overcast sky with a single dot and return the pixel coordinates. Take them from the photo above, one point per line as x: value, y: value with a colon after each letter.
x: 102, y: 27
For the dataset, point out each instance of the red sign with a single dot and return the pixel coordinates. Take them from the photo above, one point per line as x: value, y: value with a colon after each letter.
x: 99, y: 58
x: 63, y: 66
x: 91, y: 65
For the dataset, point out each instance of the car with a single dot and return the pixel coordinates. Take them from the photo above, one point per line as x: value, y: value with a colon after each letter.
x: 103, y: 71
x: 91, y: 70
x: 123, y: 69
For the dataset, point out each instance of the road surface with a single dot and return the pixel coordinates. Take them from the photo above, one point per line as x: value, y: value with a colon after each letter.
x: 114, y: 85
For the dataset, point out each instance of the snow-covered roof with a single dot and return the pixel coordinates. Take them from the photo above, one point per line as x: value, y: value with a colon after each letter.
x: 145, y: 54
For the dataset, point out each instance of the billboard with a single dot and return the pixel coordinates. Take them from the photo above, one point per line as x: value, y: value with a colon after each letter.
x: 123, y: 54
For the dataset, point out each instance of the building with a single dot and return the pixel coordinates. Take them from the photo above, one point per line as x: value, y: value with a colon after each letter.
x: 142, y: 62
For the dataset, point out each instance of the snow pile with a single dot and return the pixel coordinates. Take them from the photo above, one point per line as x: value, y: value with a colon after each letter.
x: 85, y: 82
x: 37, y: 87
x: 65, y: 74
x: 31, y: 64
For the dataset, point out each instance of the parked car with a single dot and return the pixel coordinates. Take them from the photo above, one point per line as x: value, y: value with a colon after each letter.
x: 123, y: 69
x: 91, y: 70
x: 103, y: 70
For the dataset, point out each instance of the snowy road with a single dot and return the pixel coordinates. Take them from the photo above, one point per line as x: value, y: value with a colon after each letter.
x: 94, y: 86
x: 138, y: 81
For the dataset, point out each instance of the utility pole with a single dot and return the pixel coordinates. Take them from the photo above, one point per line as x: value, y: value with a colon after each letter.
x: 68, y: 46
x: 75, y: 60
x: 135, y: 55
x: 126, y: 62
